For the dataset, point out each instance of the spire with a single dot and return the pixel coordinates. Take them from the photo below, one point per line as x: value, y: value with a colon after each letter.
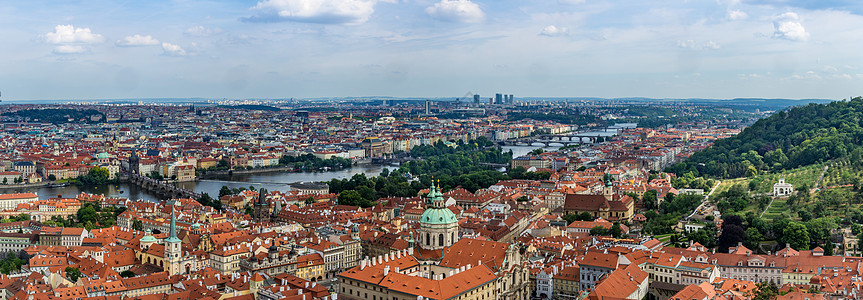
x: 172, y: 232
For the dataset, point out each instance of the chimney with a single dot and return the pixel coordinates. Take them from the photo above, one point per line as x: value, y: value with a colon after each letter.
x: 397, y: 269
x: 386, y: 270
x: 363, y: 264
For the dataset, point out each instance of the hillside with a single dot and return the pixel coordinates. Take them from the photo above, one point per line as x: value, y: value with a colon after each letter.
x: 58, y: 115
x: 801, y: 136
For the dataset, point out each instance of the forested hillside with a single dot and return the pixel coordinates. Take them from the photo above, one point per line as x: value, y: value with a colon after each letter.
x: 788, y: 139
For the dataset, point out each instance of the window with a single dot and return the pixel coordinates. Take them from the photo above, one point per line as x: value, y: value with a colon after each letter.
x: 440, y: 239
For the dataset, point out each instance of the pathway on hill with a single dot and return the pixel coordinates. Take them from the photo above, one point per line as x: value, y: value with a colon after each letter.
x: 818, y: 184
x: 768, y: 207
x: 705, y: 201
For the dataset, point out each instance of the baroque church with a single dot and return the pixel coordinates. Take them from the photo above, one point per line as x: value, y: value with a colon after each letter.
x: 440, y: 265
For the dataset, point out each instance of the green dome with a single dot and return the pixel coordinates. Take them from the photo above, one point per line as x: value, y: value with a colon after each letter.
x: 196, y: 226
x: 438, y: 216
x: 148, y: 238
x: 103, y: 155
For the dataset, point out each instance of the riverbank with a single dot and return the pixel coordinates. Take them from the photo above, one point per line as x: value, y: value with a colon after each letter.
x: 24, y: 186
x: 227, y: 173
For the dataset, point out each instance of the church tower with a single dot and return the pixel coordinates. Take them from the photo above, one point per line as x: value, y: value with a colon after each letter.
x: 173, y: 250
x: 262, y: 207
x: 133, y: 163
x: 438, y: 225
x: 608, y: 190
x: 276, y: 210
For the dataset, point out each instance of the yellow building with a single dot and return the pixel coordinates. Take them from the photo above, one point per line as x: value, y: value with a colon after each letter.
x: 311, y: 267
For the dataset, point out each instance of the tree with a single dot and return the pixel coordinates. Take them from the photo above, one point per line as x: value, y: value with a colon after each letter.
x: 310, y: 200
x: 752, y: 238
x: 87, y: 214
x: 616, y: 231
x: 137, y: 225
x: 766, y: 290
x: 127, y: 274
x: 796, y: 235
x: 11, y: 263
x: 351, y: 197
x: 649, y: 199
x: 225, y: 191
x: 599, y: 230
x: 73, y: 274
x: 570, y: 218
x: 536, y: 151
x: 805, y: 215
x: 223, y: 164
x: 52, y: 177
x: 828, y: 248
x: 732, y: 233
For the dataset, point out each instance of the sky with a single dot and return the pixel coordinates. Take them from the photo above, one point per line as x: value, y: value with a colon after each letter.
x: 430, y: 48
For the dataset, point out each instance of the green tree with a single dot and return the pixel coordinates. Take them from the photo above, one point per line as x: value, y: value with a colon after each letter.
x: 766, y: 290
x: 127, y: 274
x: 351, y: 197
x: 797, y: 236
x: 616, y: 231
x: 599, y: 230
x: 87, y: 214
x: 73, y: 274
x: 310, y: 200
x: 649, y: 199
x: 752, y: 238
x: 11, y: 263
x: 223, y: 164
x: 137, y: 225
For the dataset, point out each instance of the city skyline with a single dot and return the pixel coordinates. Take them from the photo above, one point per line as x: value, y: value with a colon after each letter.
x: 435, y: 48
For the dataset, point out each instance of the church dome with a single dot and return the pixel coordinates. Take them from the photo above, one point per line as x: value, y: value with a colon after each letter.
x: 438, y: 216
x: 149, y: 238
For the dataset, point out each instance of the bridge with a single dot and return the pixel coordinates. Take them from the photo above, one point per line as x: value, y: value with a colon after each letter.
x: 562, y: 138
x: 162, y: 188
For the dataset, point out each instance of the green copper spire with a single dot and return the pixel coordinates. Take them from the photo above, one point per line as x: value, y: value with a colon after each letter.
x: 172, y: 232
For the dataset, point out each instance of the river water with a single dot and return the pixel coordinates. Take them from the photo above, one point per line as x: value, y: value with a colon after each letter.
x: 278, y: 181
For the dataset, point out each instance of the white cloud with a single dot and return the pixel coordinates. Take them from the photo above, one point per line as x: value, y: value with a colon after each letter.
x: 69, y: 49
x: 202, y: 31
x: 173, y: 50
x: 693, y: 45
x: 462, y: 11
x: 315, y: 11
x: 552, y: 30
x: 137, y: 40
x: 788, y: 27
x: 68, y: 34
x: 737, y: 15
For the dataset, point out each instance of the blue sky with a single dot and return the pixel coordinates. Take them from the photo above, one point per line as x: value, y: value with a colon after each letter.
x: 430, y: 48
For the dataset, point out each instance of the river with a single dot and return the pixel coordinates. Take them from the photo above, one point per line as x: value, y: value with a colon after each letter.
x: 279, y: 181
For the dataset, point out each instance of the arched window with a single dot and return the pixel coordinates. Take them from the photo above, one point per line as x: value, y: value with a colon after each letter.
x: 428, y: 239
x: 440, y: 240
x: 453, y: 237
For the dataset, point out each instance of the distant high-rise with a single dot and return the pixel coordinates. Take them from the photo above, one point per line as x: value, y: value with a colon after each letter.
x: 476, y: 99
x: 498, y: 98
x: 509, y: 99
x: 428, y: 107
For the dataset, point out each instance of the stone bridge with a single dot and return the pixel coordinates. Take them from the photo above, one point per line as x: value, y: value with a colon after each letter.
x: 163, y: 188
